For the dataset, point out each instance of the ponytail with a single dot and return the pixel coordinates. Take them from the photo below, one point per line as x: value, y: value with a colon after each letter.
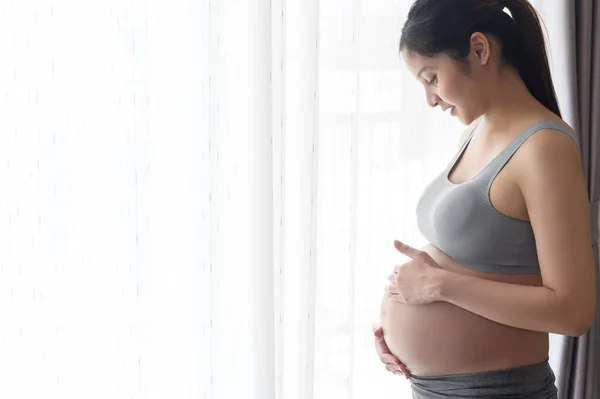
x: 532, y: 58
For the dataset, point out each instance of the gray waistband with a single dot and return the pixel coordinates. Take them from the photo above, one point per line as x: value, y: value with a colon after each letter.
x: 534, y: 382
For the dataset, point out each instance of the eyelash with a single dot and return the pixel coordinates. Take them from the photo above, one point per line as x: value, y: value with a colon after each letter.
x: 433, y: 81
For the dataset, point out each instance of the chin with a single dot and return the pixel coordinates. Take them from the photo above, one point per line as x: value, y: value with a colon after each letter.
x: 465, y: 120
x: 468, y: 119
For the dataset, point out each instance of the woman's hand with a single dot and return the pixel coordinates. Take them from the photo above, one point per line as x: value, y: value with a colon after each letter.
x: 416, y: 282
x: 392, y: 364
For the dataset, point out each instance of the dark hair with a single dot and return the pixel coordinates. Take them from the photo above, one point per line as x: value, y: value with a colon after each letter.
x: 445, y: 26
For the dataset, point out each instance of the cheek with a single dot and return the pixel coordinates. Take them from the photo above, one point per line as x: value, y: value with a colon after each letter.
x: 460, y: 91
x: 453, y: 91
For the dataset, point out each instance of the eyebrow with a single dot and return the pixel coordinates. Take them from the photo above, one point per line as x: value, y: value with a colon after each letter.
x: 422, y: 70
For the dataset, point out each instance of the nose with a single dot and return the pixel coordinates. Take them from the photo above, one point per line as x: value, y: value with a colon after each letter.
x: 433, y: 99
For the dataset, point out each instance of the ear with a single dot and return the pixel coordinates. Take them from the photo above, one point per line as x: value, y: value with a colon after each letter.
x: 481, y: 49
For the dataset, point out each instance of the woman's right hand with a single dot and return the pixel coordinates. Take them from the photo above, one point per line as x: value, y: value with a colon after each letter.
x: 392, y: 363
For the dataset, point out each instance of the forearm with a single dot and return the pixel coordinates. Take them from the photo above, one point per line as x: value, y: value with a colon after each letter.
x: 527, y: 307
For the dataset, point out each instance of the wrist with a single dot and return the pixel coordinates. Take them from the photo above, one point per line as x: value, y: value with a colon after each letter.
x: 442, y: 281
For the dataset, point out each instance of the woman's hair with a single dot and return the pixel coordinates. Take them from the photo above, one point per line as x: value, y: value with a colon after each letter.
x: 445, y: 26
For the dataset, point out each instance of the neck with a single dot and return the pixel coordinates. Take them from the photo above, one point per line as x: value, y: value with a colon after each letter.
x: 511, y: 100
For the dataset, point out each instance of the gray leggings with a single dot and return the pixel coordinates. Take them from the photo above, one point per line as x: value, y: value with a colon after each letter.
x: 528, y: 382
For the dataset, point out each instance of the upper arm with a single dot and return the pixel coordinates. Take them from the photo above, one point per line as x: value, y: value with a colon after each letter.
x: 556, y: 197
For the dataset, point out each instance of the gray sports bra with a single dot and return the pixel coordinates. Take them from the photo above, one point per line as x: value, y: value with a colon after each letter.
x: 460, y: 220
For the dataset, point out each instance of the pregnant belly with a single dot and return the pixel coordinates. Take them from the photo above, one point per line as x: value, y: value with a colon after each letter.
x: 440, y: 338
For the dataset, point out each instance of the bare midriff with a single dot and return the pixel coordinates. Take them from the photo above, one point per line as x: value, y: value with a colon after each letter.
x: 441, y: 338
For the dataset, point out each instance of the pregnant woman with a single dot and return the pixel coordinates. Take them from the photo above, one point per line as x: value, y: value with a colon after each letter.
x: 510, y: 255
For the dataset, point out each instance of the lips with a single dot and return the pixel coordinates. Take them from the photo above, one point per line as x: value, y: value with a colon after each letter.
x: 451, y: 108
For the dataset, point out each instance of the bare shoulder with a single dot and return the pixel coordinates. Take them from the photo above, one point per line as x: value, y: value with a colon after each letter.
x: 551, y: 149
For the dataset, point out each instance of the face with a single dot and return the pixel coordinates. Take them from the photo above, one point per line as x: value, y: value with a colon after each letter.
x: 454, y: 87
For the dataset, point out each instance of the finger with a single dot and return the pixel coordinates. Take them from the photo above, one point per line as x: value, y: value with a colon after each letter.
x: 397, y: 370
x: 402, y: 368
x: 390, y: 359
x: 394, y: 296
x: 402, y: 373
x: 375, y: 326
x: 378, y: 332
x: 406, y: 249
x: 393, y: 368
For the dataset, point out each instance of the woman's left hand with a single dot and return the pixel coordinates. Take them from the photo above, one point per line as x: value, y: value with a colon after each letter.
x: 416, y: 282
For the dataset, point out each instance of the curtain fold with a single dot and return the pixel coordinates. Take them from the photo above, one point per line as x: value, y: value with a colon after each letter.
x: 259, y: 233
x: 300, y: 77
x: 242, y: 258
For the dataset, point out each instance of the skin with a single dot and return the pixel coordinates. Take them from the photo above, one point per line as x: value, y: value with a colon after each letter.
x: 440, y: 317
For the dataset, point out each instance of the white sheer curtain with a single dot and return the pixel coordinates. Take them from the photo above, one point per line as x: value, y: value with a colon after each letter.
x: 104, y: 199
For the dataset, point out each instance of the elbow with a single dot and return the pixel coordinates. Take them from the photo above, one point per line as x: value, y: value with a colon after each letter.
x: 578, y: 329
x: 580, y: 322
x: 578, y: 312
